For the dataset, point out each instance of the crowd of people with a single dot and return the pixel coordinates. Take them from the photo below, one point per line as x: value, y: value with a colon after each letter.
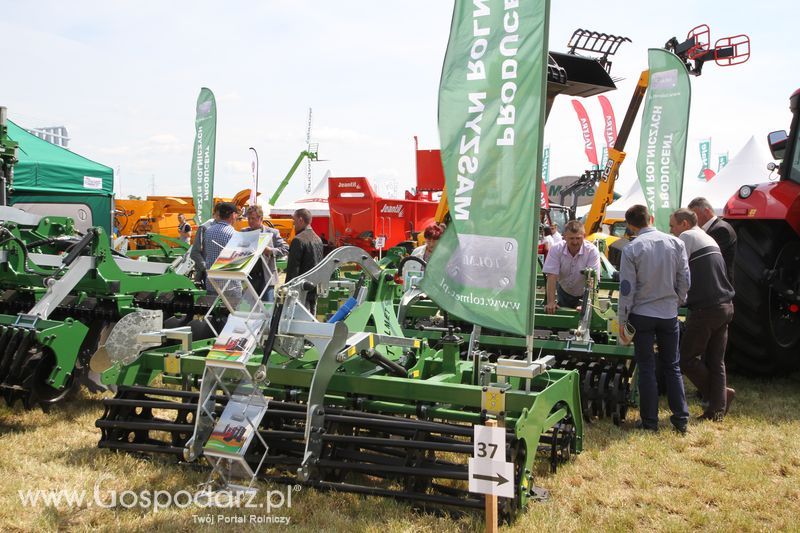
x: 660, y: 273
x: 304, y: 253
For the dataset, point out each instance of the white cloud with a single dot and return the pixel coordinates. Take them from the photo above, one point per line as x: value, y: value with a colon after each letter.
x: 163, y: 138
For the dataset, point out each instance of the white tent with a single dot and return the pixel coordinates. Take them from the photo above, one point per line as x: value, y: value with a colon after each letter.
x: 632, y: 196
x: 747, y: 167
x: 316, y: 202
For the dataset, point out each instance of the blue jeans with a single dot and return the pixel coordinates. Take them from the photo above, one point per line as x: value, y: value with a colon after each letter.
x: 664, y: 332
x: 269, y: 294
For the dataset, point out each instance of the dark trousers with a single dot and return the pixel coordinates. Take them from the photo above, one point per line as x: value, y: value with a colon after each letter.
x: 565, y: 299
x: 664, y: 332
x: 703, y: 352
x: 311, y: 301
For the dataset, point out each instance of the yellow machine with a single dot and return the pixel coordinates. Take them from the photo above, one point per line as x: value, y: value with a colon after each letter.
x: 595, y: 219
x: 159, y: 214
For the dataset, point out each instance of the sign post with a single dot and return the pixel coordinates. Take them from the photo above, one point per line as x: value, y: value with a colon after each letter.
x: 491, y: 499
x: 489, y: 472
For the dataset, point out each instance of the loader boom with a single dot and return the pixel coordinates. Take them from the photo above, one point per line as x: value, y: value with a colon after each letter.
x: 616, y: 155
x: 311, y: 154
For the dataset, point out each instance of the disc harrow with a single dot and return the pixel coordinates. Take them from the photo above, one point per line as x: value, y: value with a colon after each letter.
x: 350, y: 406
x: 415, y: 459
x: 61, y: 292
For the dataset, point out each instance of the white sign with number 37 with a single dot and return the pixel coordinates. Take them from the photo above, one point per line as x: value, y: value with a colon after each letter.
x: 489, y: 473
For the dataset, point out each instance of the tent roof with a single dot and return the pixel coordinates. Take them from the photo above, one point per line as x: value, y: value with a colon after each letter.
x: 316, y: 202
x: 44, y: 166
x: 632, y: 196
x: 747, y: 167
x: 317, y: 206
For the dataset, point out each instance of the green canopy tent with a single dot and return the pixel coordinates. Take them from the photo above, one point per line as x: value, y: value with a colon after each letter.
x: 50, y: 180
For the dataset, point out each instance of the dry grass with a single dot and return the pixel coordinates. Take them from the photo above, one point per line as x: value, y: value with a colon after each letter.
x: 741, y: 475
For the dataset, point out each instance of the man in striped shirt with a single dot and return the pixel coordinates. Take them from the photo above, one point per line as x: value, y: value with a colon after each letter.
x: 216, y: 237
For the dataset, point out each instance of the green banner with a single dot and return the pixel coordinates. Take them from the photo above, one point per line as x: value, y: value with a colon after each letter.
x: 546, y: 164
x: 491, y: 123
x: 723, y: 160
x: 662, y: 145
x: 705, y: 149
x: 205, y: 143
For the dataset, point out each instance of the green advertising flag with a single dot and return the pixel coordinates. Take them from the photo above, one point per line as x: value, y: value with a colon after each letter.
x: 723, y: 160
x: 491, y: 123
x: 662, y: 145
x: 546, y: 164
x: 205, y: 143
x: 705, y: 148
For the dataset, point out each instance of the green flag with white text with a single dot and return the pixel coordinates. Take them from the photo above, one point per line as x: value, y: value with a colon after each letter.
x: 662, y: 144
x: 491, y: 123
x: 205, y: 143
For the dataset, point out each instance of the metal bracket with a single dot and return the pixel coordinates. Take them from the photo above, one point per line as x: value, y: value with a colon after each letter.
x: 58, y: 289
x: 183, y: 334
x: 365, y: 341
x: 519, y: 368
x: 26, y: 321
x: 576, y: 345
x: 320, y: 276
x: 493, y: 399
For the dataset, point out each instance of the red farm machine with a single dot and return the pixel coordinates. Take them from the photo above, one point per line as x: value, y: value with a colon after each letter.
x: 362, y: 218
x: 765, y: 334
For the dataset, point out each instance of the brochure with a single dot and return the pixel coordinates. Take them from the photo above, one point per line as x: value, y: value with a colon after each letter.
x: 237, y: 341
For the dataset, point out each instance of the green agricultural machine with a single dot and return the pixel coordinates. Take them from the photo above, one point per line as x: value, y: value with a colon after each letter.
x: 60, y: 294
x: 583, y: 340
x: 153, y: 247
x: 354, y: 405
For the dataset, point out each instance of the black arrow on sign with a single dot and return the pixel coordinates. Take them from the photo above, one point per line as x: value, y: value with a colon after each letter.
x: 499, y: 479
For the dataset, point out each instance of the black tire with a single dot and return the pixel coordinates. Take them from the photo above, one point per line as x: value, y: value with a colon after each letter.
x: 752, y: 344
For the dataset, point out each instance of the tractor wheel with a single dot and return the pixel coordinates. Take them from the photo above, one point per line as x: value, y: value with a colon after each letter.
x: 764, y: 337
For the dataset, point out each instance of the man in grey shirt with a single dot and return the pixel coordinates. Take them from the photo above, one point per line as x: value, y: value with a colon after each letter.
x: 654, y: 281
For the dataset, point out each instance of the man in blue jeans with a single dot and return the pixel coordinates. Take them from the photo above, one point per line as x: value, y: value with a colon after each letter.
x: 654, y: 281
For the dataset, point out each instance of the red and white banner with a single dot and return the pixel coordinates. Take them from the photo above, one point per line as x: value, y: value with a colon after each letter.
x: 586, y: 130
x: 545, y: 198
x: 609, y: 123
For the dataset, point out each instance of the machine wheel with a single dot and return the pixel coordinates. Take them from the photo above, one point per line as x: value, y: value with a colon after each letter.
x: 765, y: 333
x: 41, y: 392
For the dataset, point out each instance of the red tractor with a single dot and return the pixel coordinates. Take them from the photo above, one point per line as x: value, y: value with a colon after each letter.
x: 765, y: 334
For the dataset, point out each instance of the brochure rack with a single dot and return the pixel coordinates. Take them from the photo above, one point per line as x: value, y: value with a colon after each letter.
x: 230, y: 441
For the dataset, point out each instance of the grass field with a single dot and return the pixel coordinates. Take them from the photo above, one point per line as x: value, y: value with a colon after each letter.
x: 739, y: 475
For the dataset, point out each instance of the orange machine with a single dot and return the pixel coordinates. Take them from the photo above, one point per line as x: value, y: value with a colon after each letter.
x: 159, y: 214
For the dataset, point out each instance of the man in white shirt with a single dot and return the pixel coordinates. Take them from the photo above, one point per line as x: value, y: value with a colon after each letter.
x: 564, y: 267
x: 556, y: 235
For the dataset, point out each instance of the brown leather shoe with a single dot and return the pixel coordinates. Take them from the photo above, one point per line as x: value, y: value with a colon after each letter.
x: 730, y: 394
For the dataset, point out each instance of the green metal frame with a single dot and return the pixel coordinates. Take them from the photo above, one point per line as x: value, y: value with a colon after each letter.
x: 438, y: 383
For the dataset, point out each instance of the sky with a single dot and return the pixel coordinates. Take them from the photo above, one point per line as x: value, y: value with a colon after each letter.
x: 124, y: 76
